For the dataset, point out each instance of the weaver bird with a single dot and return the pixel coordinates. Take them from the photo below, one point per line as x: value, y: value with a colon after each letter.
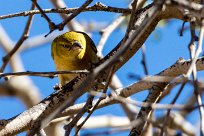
x: 73, y: 50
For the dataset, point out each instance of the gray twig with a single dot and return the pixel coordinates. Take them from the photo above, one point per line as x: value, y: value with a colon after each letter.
x: 19, y: 43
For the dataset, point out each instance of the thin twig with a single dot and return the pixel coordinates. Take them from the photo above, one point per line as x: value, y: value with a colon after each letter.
x: 191, y: 45
x: 96, y: 7
x: 132, y: 17
x: 155, y: 106
x: 99, y: 100
x: 199, y: 101
x: 51, y: 24
x: 198, y: 51
x: 144, y: 63
x: 164, y: 128
x: 73, y: 123
x: 182, y: 28
x: 73, y: 25
x: 131, y: 21
x: 196, y: 89
x: 50, y: 74
x: 192, y: 70
x: 19, y: 43
x: 74, y: 14
x: 61, y: 25
x: 105, y: 33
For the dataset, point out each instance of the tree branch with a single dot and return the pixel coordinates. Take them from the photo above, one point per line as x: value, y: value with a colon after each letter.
x: 19, y: 43
x: 48, y: 108
x: 96, y: 7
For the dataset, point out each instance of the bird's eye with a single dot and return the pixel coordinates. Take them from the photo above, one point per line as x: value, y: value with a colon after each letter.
x: 77, y: 44
x: 65, y: 46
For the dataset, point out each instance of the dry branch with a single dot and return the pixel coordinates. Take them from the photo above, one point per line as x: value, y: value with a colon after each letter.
x: 41, y: 114
x: 96, y: 7
x: 20, y: 41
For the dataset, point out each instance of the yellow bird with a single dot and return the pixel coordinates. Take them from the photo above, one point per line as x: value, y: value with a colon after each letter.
x: 73, y: 50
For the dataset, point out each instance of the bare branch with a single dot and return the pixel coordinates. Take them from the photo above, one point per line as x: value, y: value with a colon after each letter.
x: 105, y: 33
x: 144, y: 63
x: 73, y: 24
x: 195, y: 9
x: 40, y: 115
x: 173, y: 71
x: 177, y: 122
x: 166, y: 120
x: 132, y: 17
x: 96, y: 7
x: 75, y: 120
x: 19, y: 43
x: 58, y: 99
x: 50, y: 74
x: 99, y: 100
x: 196, y: 89
x: 51, y: 24
x: 69, y: 18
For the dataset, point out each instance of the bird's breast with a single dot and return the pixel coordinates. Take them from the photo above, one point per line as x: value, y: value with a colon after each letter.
x: 69, y: 65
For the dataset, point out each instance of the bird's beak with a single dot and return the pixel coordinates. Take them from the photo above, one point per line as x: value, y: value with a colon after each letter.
x: 77, y: 45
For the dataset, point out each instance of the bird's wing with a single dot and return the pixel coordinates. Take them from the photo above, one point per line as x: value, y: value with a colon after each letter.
x: 92, y: 43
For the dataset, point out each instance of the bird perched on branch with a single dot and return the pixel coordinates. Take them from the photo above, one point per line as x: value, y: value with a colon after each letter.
x: 73, y: 51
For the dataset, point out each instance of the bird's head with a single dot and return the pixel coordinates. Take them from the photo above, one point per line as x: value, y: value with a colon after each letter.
x: 70, y: 45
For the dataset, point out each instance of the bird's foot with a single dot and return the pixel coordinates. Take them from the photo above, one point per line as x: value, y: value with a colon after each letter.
x: 57, y: 87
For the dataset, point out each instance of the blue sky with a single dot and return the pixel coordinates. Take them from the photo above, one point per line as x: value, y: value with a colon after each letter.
x: 163, y: 48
